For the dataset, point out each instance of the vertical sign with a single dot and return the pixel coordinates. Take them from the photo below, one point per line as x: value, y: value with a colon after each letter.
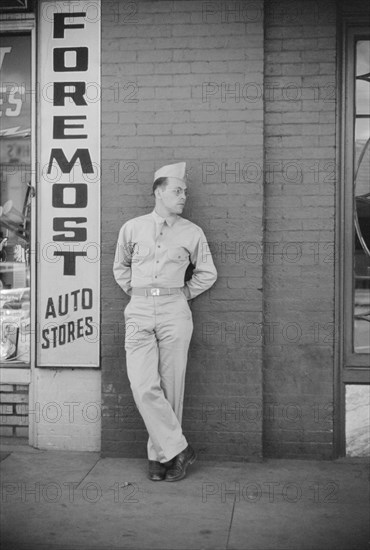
x: 68, y: 227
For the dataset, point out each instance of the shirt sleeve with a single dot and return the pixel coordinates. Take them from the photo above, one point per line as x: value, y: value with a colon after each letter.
x: 122, y: 260
x: 204, y: 274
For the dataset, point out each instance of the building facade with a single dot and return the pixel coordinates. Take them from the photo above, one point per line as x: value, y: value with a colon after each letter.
x: 268, y: 103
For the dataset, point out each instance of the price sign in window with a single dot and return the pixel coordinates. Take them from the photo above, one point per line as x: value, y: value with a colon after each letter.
x: 15, y: 195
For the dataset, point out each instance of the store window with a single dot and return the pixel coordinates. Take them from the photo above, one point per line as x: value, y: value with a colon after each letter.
x: 16, y: 191
x: 356, y: 195
x: 356, y: 240
x: 361, y: 190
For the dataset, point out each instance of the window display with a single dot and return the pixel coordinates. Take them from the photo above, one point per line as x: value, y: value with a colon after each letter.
x: 15, y: 196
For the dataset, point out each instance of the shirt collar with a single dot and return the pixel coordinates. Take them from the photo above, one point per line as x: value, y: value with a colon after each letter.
x: 158, y: 219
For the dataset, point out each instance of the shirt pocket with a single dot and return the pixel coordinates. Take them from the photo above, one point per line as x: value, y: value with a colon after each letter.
x: 140, y: 252
x: 178, y: 254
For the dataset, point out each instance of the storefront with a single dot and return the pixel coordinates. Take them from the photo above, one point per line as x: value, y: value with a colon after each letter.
x: 268, y: 103
x: 50, y: 197
x: 17, y: 210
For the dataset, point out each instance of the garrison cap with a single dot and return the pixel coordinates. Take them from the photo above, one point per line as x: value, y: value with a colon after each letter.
x: 171, y: 171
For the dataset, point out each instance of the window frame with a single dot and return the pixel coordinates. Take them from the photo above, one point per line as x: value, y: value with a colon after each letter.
x: 349, y: 368
x: 356, y: 366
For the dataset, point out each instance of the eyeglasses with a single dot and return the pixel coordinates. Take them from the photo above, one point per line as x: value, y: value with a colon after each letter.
x: 178, y: 191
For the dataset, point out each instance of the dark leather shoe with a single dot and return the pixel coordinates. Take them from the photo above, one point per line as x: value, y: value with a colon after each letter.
x: 157, y: 471
x: 178, y: 470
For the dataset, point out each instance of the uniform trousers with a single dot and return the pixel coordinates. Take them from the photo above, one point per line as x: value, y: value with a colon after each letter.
x: 158, y: 331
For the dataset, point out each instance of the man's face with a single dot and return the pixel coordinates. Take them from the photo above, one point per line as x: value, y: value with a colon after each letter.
x: 173, y: 195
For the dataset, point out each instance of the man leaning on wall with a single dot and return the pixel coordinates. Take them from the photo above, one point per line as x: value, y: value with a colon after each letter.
x: 152, y: 255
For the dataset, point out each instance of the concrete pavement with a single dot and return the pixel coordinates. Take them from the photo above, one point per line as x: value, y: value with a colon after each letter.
x: 78, y: 500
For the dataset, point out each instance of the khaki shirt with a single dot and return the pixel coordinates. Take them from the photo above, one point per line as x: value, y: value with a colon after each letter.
x: 155, y: 252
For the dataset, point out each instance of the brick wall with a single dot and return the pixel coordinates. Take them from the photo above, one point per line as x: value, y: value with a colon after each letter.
x: 183, y: 80
x: 300, y: 185
x: 14, y: 410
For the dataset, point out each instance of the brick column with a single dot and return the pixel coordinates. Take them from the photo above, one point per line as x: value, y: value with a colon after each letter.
x: 300, y: 179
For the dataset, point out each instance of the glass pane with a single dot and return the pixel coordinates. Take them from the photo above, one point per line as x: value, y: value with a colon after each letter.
x: 15, y: 170
x: 361, y: 305
x: 357, y: 420
x: 362, y: 57
x: 362, y: 98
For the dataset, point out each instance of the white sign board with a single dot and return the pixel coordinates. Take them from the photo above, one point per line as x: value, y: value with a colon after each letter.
x: 68, y: 186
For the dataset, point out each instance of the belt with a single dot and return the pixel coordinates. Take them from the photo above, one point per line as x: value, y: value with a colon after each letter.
x: 155, y: 291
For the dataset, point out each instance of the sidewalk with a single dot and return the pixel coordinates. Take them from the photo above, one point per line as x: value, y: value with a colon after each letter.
x: 77, y: 500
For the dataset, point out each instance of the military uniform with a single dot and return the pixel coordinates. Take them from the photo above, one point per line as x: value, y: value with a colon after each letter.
x: 152, y: 256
